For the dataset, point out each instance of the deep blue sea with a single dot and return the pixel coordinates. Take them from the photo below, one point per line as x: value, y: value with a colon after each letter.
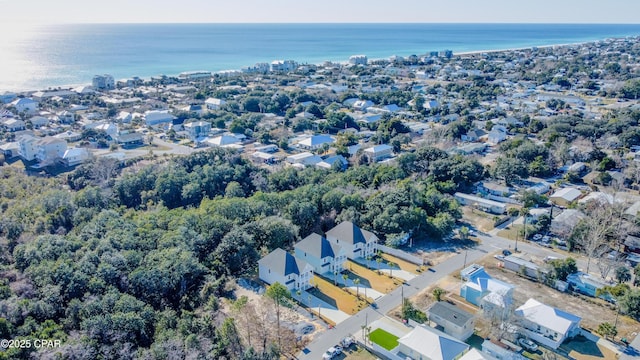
x: 59, y: 55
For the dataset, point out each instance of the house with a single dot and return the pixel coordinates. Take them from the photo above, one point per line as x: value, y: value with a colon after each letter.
x: 69, y: 136
x: 632, y: 244
x: 66, y: 117
x: 524, y: 267
x: 125, y: 117
x: 473, y: 135
x: 39, y: 121
x: 194, y: 109
x: 362, y: 105
x: 325, y: 257
x: 547, y: 325
x: 280, y: 266
x: 378, y: 152
x: 357, y: 243
x: 223, y: 140
x: 475, y: 354
x: 328, y: 162
x: 157, y: 117
x: 500, y: 351
x: 452, y: 320
x: 75, y: 156
x: 10, y: 149
x: 50, y: 149
x: 130, y: 139
x: 197, y: 129
x: 496, y: 136
x: 28, y: 147
x: 481, y: 290
x: 493, y: 188
x: 486, y: 205
x: 103, y: 82
x: 587, y: 284
x: 25, y: 105
x: 565, y: 196
x: 13, y: 125
x: 109, y: 128
x: 426, y: 343
x: 263, y: 157
x: 315, y: 142
x: 305, y: 158
x: 566, y: 221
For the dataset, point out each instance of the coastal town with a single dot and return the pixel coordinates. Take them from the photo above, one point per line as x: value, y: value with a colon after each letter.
x: 471, y: 206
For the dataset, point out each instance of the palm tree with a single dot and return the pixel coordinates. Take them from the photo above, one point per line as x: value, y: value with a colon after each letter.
x: 378, y: 260
x: 391, y: 264
x: 335, y: 277
x: 344, y: 279
x: 357, y: 282
x: 368, y: 258
x: 524, y: 212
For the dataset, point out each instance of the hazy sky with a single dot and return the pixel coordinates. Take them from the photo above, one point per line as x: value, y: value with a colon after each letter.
x: 301, y: 11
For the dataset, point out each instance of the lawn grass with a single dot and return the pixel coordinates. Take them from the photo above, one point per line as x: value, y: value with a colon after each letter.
x: 384, y: 339
x: 344, y: 300
x: 379, y: 282
x: 402, y: 264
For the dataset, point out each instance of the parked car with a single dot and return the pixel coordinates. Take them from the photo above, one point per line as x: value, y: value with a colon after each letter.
x: 338, y: 349
x: 549, y: 258
x: 506, y: 252
x: 330, y: 353
x: 537, y: 237
x: 346, y: 342
x: 528, y: 344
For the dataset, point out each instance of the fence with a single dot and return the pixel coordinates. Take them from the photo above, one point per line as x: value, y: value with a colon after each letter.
x: 401, y: 254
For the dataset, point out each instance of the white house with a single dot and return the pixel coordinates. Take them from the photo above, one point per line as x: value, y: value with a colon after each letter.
x: 28, y: 147
x: 324, y: 256
x: 13, y: 125
x: 426, y: 343
x: 39, y: 121
x: 496, y: 136
x: 124, y: 116
x: 157, y: 117
x: 50, y: 149
x: 280, y: 266
x: 223, y: 140
x: 452, y: 320
x: 214, y: 104
x: 315, y: 142
x: 26, y: 105
x: 487, y: 205
x: 379, y: 152
x: 565, y: 196
x: 75, y: 156
x: 197, y: 129
x: 103, y: 82
x: 357, y: 243
x: 362, y: 105
x: 547, y: 325
x: 305, y: 158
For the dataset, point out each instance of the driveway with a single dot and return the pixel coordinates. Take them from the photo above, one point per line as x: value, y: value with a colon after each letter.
x: 317, y: 305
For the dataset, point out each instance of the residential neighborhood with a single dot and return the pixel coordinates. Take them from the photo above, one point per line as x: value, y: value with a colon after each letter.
x: 440, y: 206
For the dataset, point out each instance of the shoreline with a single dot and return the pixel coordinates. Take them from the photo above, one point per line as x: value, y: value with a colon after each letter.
x: 341, y: 62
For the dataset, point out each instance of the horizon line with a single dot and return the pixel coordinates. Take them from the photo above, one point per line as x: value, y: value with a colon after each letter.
x: 332, y: 23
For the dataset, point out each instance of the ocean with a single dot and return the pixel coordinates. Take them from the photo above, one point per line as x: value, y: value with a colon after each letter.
x: 62, y: 55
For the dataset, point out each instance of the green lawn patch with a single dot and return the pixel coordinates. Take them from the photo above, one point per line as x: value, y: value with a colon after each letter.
x: 384, y: 339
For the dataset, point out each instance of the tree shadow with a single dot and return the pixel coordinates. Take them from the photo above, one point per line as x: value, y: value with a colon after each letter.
x: 324, y: 297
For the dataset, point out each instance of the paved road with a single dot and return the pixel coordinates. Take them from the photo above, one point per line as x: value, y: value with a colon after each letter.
x: 488, y: 244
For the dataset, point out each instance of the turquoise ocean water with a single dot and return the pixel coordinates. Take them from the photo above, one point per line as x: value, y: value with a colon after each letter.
x: 60, y: 55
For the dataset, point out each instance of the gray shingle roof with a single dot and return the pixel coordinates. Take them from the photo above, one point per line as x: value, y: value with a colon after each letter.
x: 350, y: 233
x: 317, y: 246
x: 451, y: 313
x: 281, y: 262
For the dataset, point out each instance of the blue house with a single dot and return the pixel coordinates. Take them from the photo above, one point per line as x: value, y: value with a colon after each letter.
x: 481, y: 290
x: 587, y: 284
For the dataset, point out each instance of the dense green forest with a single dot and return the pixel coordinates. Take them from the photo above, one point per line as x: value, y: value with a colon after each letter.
x: 134, y: 262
